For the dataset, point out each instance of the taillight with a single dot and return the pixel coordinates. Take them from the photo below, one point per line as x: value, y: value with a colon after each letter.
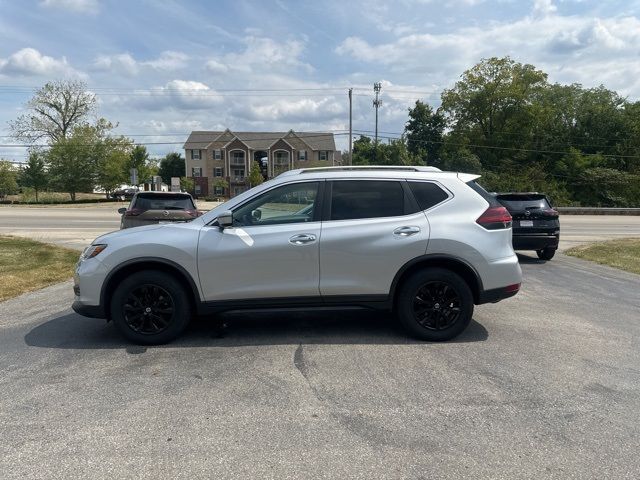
x: 495, y: 218
x: 512, y: 288
x: 550, y: 212
x: 134, y: 212
x: 194, y: 213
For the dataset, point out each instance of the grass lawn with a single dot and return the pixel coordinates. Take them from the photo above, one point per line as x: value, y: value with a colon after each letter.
x: 623, y: 254
x: 26, y: 265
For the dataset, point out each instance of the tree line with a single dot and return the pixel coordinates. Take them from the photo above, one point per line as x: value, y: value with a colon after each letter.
x: 505, y: 121
x: 80, y: 152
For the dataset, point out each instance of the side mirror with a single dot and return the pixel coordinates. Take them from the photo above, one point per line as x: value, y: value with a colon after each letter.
x: 225, y: 219
x: 122, y: 210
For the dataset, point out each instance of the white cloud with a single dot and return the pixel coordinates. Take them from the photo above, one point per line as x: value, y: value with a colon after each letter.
x: 123, y: 63
x: 30, y: 62
x: 544, y: 7
x: 126, y: 64
x: 569, y: 48
x: 261, y: 53
x: 184, y: 95
x: 79, y: 6
x: 168, y: 60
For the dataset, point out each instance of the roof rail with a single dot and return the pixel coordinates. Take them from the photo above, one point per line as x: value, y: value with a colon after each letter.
x: 370, y: 168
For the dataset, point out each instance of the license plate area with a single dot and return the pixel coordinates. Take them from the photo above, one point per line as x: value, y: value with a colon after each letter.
x: 526, y: 223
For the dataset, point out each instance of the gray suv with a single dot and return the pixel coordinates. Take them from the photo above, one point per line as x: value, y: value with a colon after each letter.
x: 426, y: 244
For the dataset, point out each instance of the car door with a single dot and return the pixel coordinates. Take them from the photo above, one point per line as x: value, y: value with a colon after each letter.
x: 371, y: 228
x: 271, y: 251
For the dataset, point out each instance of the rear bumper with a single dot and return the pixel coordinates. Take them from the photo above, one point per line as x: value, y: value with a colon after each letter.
x: 535, y: 241
x: 91, y: 311
x: 496, y: 294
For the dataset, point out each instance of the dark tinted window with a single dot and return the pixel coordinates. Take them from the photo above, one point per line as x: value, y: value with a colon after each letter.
x: 352, y: 199
x: 524, y: 201
x: 476, y: 187
x: 158, y: 201
x: 427, y: 194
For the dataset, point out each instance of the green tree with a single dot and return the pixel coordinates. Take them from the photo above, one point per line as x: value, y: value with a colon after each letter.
x: 424, y: 133
x: 491, y: 107
x: 220, y: 182
x: 187, y: 184
x: 255, y: 175
x: 8, y: 178
x: 73, y: 161
x: 112, y: 155
x: 139, y: 159
x: 54, y: 111
x: 34, y: 174
x: 172, y: 165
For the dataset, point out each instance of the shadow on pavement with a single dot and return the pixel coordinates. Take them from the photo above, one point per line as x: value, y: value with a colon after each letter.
x: 71, y: 331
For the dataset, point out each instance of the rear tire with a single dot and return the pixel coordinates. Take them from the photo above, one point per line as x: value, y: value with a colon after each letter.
x: 150, y: 308
x: 434, y: 304
x: 546, y: 253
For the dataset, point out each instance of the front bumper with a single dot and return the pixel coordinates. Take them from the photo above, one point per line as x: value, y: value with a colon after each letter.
x: 91, y: 311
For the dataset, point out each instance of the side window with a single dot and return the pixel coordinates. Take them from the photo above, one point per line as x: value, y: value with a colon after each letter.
x: 352, y: 199
x: 293, y: 203
x: 427, y: 194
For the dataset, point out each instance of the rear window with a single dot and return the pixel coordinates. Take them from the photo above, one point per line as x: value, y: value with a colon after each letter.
x: 524, y: 202
x: 476, y: 187
x: 164, y: 202
x: 351, y: 199
x: 427, y: 194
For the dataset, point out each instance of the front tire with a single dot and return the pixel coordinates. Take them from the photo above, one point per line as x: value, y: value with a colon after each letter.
x: 150, y: 308
x: 546, y: 253
x: 435, y: 304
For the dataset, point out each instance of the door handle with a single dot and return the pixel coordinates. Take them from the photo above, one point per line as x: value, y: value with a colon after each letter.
x: 406, y: 231
x: 302, y: 239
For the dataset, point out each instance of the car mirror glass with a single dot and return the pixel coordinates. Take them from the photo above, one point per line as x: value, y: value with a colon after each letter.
x: 122, y: 210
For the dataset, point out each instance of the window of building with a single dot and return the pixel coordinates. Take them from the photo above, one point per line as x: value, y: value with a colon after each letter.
x: 323, y: 155
x: 293, y: 203
x: 351, y: 199
x: 197, y: 189
x: 217, y: 154
x: 237, y: 157
x: 195, y: 154
x: 217, y: 172
x: 302, y: 155
x: 238, y: 173
x: 280, y: 162
x: 196, y: 171
x: 218, y: 190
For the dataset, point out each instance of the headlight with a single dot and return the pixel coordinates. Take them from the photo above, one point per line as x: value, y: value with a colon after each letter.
x: 92, y: 250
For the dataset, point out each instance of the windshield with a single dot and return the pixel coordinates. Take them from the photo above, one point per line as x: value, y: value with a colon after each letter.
x: 164, y: 202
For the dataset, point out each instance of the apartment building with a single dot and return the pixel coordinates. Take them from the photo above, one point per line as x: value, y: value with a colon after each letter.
x: 229, y: 156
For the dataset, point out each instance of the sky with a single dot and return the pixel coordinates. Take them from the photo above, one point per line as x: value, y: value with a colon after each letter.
x: 161, y: 69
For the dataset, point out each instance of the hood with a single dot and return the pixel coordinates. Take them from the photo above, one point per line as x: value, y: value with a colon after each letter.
x: 128, y: 231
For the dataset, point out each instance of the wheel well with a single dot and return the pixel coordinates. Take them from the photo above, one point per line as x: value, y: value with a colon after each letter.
x: 119, y: 275
x: 467, y: 273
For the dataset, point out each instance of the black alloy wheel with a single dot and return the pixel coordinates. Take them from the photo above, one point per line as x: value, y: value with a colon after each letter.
x: 434, y: 304
x: 149, y: 309
x: 437, y: 305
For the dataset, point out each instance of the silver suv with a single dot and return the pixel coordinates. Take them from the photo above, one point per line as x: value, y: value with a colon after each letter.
x: 424, y: 243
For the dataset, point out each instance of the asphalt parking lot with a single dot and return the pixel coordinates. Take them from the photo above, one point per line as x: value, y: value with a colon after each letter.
x: 543, y: 385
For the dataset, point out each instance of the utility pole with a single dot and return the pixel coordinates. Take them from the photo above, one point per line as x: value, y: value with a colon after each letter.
x: 350, y: 127
x: 377, y: 103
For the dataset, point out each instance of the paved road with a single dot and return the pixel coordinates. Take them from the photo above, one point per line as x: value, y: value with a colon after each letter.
x: 543, y: 385
x: 77, y: 227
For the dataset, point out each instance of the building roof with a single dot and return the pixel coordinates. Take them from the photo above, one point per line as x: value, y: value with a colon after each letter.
x: 262, y: 140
